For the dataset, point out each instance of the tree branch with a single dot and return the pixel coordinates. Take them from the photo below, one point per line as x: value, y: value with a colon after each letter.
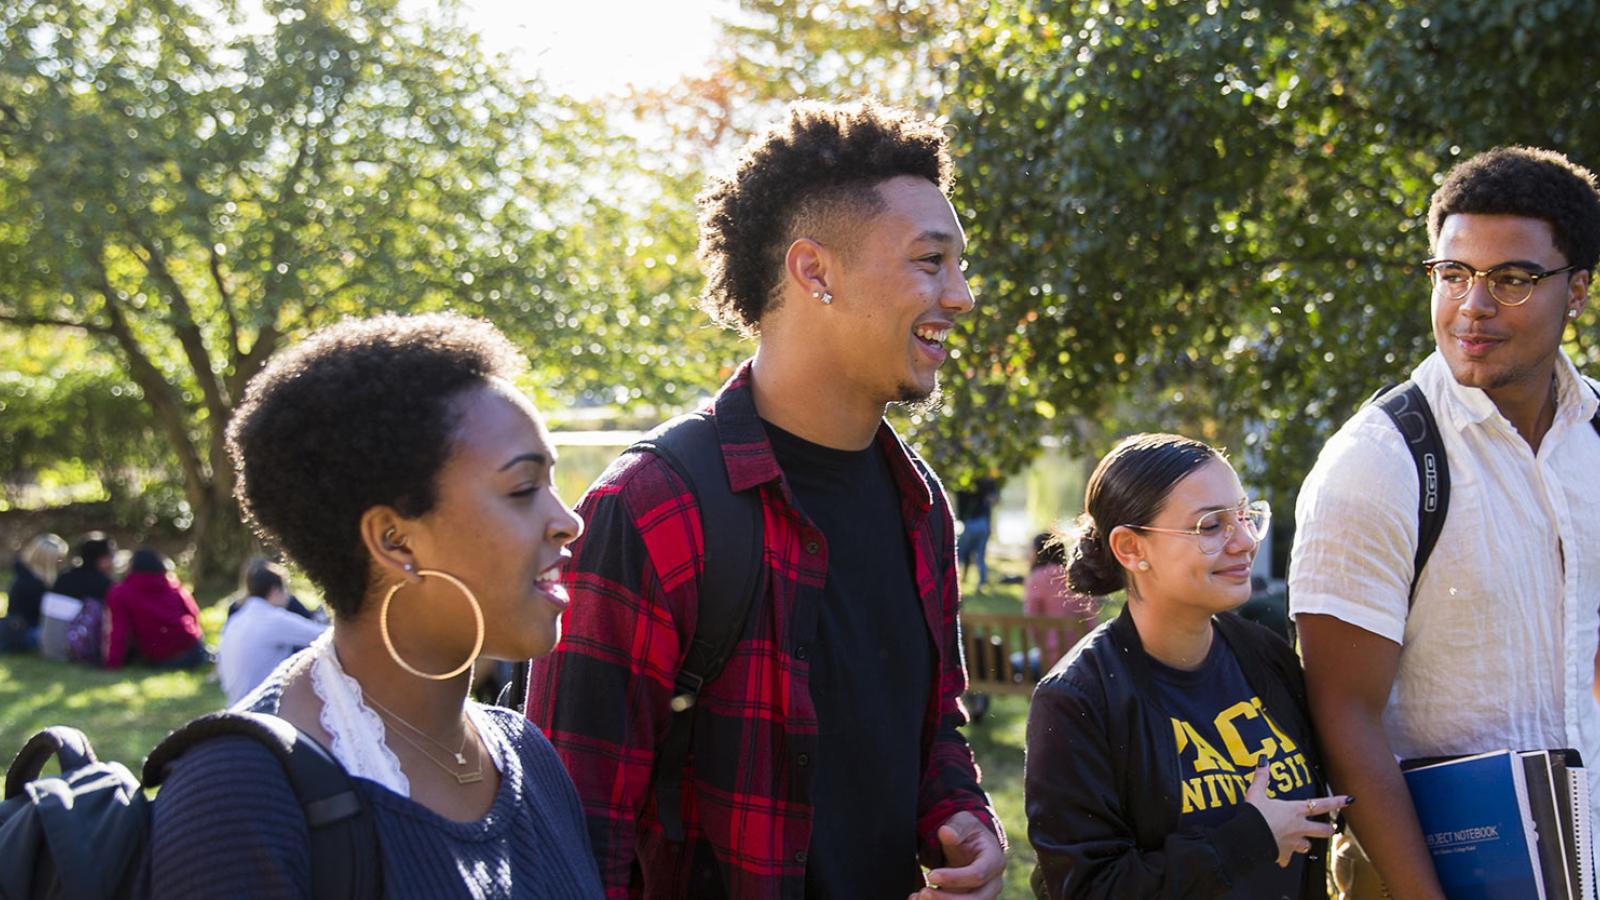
x: 10, y: 121
x: 273, y: 294
x: 250, y: 363
x: 184, y: 326
x: 29, y: 321
x: 227, y: 300
x: 157, y: 392
x: 187, y: 175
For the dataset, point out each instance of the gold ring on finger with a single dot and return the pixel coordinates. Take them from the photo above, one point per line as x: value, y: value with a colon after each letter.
x: 1311, y: 807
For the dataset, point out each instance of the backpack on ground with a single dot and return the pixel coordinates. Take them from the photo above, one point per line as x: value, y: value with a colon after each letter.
x: 1408, y: 409
x: 86, y: 633
x: 83, y: 835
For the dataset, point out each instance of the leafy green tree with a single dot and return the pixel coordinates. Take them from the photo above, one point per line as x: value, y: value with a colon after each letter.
x: 192, y: 189
x: 1208, y: 216
x: 68, y: 409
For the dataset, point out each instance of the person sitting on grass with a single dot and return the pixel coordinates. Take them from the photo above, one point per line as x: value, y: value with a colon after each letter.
x: 33, y: 571
x: 153, y: 618
x: 395, y: 463
x: 293, y: 604
x: 90, y: 579
x: 262, y: 634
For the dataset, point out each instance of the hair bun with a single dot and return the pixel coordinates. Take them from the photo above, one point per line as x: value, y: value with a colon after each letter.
x: 1091, y: 568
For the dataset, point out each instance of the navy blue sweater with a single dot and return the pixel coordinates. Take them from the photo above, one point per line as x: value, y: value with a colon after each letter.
x: 226, y: 824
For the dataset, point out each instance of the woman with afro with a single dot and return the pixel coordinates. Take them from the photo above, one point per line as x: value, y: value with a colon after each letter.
x: 394, y: 462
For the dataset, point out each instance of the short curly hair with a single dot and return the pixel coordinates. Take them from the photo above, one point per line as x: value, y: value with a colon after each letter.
x: 818, y: 170
x: 358, y: 415
x: 1526, y: 181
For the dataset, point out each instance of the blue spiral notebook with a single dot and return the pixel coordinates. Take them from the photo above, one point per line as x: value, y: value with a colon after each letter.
x: 1478, y: 822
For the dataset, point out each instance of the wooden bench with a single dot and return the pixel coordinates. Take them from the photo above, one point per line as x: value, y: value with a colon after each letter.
x: 998, y: 648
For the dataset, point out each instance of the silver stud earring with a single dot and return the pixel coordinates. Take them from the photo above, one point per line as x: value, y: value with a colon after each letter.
x: 410, y: 568
x: 1144, y: 565
x: 824, y: 296
x: 1572, y: 314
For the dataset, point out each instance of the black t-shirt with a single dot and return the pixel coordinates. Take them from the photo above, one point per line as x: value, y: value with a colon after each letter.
x: 871, y: 671
x: 1223, y: 732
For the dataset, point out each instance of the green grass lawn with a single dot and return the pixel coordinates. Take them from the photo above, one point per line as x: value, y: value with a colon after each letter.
x: 126, y: 713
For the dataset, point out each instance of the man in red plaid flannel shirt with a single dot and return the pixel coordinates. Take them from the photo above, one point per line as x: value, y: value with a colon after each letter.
x: 826, y: 758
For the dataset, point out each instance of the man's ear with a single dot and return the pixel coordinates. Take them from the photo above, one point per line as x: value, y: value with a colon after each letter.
x: 1578, y: 291
x: 809, y: 267
x: 383, y: 532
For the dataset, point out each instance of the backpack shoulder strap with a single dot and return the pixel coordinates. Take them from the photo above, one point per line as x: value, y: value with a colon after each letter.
x: 344, y: 840
x: 731, y: 542
x: 1408, y: 409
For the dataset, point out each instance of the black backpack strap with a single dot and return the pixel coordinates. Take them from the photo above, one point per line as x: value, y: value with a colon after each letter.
x: 344, y: 841
x: 69, y: 745
x: 1408, y: 409
x: 730, y: 526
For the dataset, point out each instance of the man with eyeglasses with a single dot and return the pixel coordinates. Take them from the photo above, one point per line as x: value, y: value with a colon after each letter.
x: 1497, y: 647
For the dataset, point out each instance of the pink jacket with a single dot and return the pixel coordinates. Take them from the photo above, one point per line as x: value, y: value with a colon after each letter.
x: 1046, y: 594
x: 154, y: 612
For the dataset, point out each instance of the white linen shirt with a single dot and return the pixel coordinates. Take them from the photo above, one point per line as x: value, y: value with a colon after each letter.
x: 255, y: 639
x: 1499, y: 649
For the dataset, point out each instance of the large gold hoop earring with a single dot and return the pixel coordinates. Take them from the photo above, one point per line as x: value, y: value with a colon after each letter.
x: 388, y: 644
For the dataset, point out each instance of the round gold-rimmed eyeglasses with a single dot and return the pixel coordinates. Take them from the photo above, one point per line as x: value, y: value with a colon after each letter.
x: 1216, y: 528
x: 1510, y: 284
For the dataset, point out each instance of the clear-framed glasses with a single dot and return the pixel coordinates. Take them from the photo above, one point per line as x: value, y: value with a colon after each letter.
x: 1510, y: 284
x: 1216, y: 528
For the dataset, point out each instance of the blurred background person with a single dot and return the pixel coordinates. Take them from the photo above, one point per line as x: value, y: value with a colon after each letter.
x: 152, y: 618
x: 293, y: 604
x: 262, y: 634
x: 975, y: 509
x: 1045, y: 593
x: 74, y: 626
x: 91, y: 577
x: 32, y: 573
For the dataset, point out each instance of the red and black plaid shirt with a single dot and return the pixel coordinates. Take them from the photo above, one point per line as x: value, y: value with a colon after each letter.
x: 602, y: 695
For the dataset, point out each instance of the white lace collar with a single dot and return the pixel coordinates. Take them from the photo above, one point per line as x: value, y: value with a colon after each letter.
x: 357, y: 731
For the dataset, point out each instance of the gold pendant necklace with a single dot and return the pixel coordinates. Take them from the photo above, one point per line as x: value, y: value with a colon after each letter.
x: 472, y: 777
x: 458, y: 753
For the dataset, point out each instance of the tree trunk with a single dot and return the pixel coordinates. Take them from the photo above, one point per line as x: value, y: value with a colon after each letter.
x: 221, y: 544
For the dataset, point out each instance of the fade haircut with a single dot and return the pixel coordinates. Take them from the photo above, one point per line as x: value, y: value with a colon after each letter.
x: 815, y: 175
x: 1529, y: 182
